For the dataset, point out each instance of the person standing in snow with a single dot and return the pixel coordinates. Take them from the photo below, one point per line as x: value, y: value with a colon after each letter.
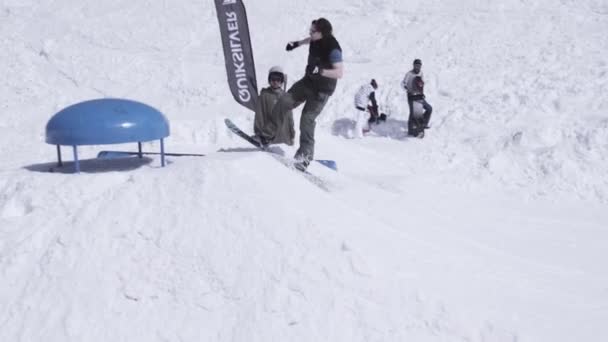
x: 323, y: 70
x: 366, y: 94
x: 269, y: 96
x: 413, y: 83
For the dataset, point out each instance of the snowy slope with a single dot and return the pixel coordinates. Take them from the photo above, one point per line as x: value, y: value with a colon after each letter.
x: 492, y: 228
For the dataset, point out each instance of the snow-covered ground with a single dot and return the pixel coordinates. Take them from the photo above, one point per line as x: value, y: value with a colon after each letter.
x: 492, y: 228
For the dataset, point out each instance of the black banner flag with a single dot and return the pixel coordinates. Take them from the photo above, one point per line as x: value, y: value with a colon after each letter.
x: 238, y: 53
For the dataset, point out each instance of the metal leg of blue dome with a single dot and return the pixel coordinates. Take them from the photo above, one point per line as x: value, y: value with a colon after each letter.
x: 139, y: 153
x: 162, y: 152
x: 59, y: 162
x: 76, y: 162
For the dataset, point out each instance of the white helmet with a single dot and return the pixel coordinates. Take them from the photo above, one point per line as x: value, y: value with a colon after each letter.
x: 276, y: 71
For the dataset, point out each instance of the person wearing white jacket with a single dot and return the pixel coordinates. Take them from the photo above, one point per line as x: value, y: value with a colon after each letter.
x: 365, y: 95
x: 420, y: 110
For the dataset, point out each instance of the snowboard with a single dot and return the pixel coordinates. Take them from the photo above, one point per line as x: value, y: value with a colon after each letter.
x: 236, y: 130
x: 288, y: 162
x: 123, y: 154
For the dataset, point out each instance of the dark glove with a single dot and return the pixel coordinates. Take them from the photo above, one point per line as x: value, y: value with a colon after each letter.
x: 292, y: 45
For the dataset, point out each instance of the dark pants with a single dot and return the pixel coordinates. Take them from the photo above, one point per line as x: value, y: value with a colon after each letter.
x: 416, y: 125
x: 301, y: 92
x: 373, y: 114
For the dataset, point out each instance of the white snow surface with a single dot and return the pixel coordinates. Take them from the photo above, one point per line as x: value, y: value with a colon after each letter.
x: 492, y: 228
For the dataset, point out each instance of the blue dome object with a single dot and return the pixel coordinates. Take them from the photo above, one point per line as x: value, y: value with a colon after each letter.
x: 106, y: 121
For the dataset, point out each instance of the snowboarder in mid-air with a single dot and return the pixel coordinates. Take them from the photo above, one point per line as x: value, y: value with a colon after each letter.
x: 323, y: 70
x: 420, y: 110
x: 269, y: 96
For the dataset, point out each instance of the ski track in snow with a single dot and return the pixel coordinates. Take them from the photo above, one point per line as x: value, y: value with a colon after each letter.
x: 492, y: 228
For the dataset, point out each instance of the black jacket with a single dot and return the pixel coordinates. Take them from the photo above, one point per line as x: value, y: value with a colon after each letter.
x: 318, y: 57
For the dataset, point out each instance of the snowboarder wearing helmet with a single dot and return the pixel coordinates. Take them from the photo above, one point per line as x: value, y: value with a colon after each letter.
x: 420, y: 110
x: 366, y: 94
x: 269, y: 96
x: 323, y: 70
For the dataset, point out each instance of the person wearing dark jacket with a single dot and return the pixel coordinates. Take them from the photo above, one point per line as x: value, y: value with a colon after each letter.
x: 323, y: 69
